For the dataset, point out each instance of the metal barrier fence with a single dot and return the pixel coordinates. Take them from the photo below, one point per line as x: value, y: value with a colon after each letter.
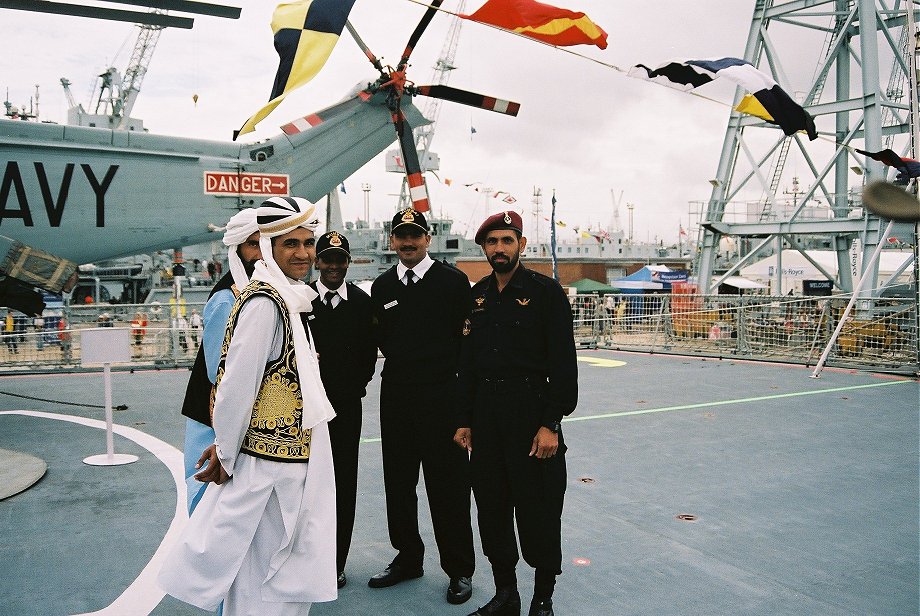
x: 880, y: 334
x: 163, y: 338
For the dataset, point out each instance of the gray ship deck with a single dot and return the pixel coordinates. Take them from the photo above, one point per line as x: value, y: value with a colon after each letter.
x: 804, y: 492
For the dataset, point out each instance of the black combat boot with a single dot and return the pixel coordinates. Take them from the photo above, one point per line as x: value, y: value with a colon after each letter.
x: 506, y: 602
x: 541, y: 608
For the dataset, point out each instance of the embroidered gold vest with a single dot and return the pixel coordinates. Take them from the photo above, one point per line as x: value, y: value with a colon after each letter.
x: 275, y: 429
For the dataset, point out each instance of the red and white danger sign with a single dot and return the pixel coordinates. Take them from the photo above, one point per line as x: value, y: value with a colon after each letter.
x: 261, y: 184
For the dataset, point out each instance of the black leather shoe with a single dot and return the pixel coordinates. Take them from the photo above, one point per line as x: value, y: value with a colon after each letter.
x: 541, y: 608
x: 506, y: 602
x: 341, y: 580
x: 460, y: 590
x: 394, y: 574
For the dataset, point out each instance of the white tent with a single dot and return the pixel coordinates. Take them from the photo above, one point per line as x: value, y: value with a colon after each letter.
x: 797, y: 268
x: 740, y: 282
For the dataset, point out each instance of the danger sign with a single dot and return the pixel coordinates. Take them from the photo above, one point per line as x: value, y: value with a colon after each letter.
x: 261, y: 184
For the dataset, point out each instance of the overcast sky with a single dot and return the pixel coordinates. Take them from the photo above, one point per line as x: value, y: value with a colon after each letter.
x: 583, y: 129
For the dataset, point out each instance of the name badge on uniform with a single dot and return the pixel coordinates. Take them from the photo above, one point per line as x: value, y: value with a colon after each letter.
x: 310, y: 317
x: 389, y: 305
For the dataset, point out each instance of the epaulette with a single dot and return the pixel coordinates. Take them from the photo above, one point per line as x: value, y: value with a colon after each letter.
x: 453, y: 270
x: 543, y: 279
x: 392, y: 270
x: 482, y: 280
x: 453, y: 267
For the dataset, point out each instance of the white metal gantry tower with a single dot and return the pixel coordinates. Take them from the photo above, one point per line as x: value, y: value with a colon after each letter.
x: 846, y: 43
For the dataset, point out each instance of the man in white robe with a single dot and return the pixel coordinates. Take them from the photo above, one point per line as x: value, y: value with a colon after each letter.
x: 262, y: 539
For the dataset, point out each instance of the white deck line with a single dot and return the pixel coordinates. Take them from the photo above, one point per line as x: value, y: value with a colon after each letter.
x: 143, y: 595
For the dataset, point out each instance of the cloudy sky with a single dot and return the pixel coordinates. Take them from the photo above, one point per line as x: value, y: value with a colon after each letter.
x: 584, y: 130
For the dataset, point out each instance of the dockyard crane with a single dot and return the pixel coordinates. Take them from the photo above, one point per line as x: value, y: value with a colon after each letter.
x: 124, y: 89
x: 118, y: 92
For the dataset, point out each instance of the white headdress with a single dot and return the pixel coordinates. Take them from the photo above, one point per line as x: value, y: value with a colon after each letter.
x: 240, y: 226
x: 278, y: 216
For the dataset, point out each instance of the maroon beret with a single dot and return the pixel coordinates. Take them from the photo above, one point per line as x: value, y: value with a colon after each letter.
x: 499, y: 221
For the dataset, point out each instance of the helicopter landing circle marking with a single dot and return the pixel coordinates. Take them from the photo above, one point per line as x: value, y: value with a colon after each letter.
x: 143, y: 594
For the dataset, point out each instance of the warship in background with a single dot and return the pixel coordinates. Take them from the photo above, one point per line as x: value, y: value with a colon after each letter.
x: 601, y: 253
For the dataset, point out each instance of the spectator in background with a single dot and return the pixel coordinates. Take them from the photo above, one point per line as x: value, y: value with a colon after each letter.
x: 38, y: 324
x: 138, y: 328
x: 182, y: 329
x: 195, y: 322
x: 9, y: 332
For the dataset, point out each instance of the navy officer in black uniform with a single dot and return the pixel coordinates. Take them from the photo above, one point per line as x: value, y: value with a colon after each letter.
x: 341, y: 324
x: 518, y: 378
x: 420, y: 305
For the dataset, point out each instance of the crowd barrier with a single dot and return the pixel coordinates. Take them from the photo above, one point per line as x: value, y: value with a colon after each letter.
x: 161, y: 338
x: 879, y: 334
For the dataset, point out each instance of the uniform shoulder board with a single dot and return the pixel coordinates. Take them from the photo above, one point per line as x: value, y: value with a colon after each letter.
x: 453, y: 270
x: 482, y: 281
x: 546, y: 281
x: 355, y: 289
x: 541, y: 278
x: 451, y: 266
x: 384, y: 275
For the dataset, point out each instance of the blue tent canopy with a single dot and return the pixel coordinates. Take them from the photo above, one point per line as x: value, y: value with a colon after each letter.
x: 650, y: 278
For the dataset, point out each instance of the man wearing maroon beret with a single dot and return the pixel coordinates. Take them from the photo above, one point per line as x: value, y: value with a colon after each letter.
x: 517, y: 379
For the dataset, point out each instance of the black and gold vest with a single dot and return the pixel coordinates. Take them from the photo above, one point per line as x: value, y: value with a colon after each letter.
x: 275, y: 430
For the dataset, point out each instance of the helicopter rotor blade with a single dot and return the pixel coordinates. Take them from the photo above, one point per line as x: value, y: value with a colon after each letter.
x: 417, y: 33
x: 472, y: 99
x: 418, y: 192
x: 367, y: 50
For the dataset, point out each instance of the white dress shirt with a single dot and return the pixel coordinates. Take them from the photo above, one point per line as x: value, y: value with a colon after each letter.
x: 419, y: 269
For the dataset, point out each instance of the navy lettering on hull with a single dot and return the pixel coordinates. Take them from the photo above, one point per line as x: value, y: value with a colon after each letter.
x: 54, y: 208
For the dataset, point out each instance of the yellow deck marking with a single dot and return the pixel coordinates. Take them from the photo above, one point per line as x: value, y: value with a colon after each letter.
x: 600, y: 362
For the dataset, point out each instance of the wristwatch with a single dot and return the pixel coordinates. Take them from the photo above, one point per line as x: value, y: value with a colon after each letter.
x: 553, y: 426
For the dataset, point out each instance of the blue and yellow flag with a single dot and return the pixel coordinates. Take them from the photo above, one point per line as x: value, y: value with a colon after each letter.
x: 305, y: 34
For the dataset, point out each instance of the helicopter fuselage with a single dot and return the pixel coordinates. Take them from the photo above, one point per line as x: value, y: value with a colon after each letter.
x: 87, y: 194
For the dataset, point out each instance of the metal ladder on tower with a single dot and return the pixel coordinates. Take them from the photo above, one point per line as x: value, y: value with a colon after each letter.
x: 766, y: 211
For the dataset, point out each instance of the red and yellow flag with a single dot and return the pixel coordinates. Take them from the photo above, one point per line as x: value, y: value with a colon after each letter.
x: 543, y: 22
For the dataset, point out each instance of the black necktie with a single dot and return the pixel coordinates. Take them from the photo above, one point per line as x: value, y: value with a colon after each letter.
x: 329, y: 296
x: 410, y: 278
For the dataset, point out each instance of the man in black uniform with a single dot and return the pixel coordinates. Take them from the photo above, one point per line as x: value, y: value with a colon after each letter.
x: 518, y: 377
x: 420, y: 305
x: 342, y: 327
